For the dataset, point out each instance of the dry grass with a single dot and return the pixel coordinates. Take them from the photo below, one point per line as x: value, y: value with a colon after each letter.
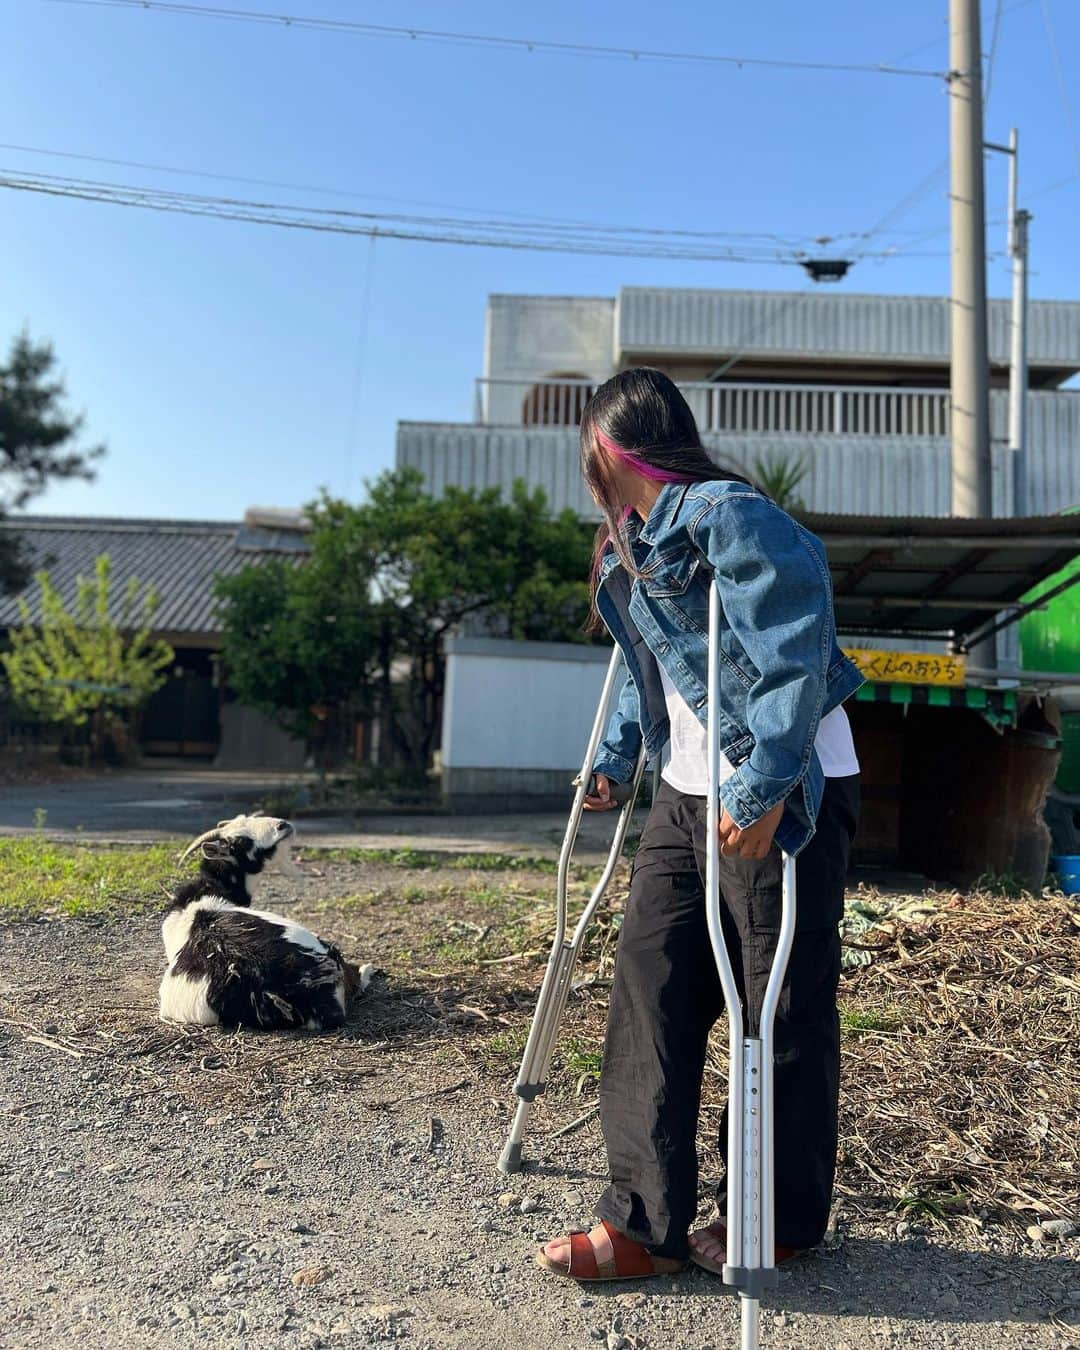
x: 972, y: 1101
x: 961, y: 1067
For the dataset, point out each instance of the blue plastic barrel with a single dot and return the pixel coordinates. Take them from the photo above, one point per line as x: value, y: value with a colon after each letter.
x: 1066, y: 867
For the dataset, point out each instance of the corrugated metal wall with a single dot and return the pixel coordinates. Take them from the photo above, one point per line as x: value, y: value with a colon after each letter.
x: 474, y: 456
x: 849, y: 474
x: 900, y: 327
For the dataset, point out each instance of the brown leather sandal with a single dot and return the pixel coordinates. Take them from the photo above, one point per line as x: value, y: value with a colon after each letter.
x: 629, y: 1259
x: 718, y: 1230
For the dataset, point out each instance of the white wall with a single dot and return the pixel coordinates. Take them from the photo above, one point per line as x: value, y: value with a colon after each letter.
x: 519, y: 705
x: 532, y: 336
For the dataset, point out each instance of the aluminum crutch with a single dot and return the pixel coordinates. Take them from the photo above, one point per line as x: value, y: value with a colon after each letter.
x: 555, y: 990
x: 750, y: 1266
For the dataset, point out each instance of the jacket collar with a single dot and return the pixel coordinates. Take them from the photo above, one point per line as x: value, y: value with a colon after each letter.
x: 644, y: 534
x: 663, y: 511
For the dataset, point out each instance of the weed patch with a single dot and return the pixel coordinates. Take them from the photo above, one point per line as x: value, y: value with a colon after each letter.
x: 40, y: 876
x: 423, y: 859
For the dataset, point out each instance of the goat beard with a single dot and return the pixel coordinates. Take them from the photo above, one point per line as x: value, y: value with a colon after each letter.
x: 286, y: 864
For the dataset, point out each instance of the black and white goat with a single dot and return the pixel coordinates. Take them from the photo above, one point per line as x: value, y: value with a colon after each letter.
x: 238, y: 966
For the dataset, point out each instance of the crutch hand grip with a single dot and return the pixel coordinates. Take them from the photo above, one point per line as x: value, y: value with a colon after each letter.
x: 620, y: 792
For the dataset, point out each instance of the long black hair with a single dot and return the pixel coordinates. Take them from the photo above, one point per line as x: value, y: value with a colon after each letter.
x: 640, y: 419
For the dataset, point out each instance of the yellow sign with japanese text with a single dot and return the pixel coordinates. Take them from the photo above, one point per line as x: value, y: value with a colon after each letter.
x: 908, y: 667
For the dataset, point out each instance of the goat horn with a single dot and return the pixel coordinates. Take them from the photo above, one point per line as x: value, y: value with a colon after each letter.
x: 215, y: 833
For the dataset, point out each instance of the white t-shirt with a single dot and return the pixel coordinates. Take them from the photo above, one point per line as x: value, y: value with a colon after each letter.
x: 684, y: 763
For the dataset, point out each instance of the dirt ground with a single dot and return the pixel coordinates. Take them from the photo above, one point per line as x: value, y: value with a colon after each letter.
x: 170, y: 1187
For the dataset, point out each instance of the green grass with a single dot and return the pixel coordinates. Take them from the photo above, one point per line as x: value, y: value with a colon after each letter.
x: 577, y: 1059
x: 421, y: 859
x: 389, y: 896
x: 940, y: 1207
x: 582, y: 1061
x: 509, y: 1043
x: 39, y: 876
x: 456, y: 952
x: 857, y: 1020
x: 466, y: 945
x: 1006, y: 885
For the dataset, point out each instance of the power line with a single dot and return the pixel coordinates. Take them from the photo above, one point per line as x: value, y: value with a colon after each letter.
x: 908, y: 203
x: 126, y: 194
x: 1066, y: 103
x: 307, y: 218
x: 886, y: 225
x: 1058, y: 183
x: 943, y: 36
x: 905, y: 205
x: 1052, y: 187
x: 525, y: 217
x: 526, y: 45
x: 988, y: 79
x: 754, y: 331
x: 359, y: 364
x: 492, y: 234
x: 528, y: 219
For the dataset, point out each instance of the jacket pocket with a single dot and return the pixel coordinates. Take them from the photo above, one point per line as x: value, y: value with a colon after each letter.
x: 671, y: 573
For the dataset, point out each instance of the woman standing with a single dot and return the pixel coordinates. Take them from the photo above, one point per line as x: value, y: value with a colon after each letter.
x: 673, y: 520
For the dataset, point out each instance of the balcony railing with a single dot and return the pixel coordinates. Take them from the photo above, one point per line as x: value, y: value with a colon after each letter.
x: 848, y: 410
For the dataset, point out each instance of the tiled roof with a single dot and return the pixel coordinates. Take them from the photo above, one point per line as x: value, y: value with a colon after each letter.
x: 179, y: 558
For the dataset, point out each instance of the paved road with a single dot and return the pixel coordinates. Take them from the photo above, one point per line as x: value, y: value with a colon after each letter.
x: 171, y: 801
x: 157, y: 803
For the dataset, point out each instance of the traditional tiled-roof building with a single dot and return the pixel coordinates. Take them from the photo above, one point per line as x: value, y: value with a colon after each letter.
x: 194, y: 713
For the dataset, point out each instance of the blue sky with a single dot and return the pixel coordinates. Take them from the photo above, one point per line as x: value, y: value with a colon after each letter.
x: 227, y: 364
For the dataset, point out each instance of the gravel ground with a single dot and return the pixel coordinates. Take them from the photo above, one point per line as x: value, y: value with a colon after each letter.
x: 167, y: 1188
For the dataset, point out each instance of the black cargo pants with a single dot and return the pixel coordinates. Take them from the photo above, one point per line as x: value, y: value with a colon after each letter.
x: 667, y: 995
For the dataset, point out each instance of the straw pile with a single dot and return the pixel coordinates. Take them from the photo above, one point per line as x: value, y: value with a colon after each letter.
x: 961, y: 1057
x: 960, y: 1044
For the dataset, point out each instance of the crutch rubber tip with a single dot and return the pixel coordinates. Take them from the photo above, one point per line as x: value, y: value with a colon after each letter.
x: 510, y: 1159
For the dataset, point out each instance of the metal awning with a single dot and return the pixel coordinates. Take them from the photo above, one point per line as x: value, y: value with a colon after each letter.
x: 998, y: 706
x: 946, y: 578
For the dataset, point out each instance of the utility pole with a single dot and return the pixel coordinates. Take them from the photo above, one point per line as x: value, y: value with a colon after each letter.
x: 970, y: 380
x: 1018, y: 370
x: 1017, y: 248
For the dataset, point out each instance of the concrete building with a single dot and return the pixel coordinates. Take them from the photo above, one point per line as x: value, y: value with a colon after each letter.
x: 857, y: 385
x: 854, y: 386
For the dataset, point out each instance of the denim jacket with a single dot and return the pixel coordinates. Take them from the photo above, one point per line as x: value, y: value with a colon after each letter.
x: 781, y: 670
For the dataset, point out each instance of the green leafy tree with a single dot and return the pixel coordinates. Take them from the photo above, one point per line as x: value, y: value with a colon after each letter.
x: 441, y: 561
x: 298, y: 640
x: 547, y: 599
x: 90, y: 665
x: 362, y: 623
x: 37, y: 443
